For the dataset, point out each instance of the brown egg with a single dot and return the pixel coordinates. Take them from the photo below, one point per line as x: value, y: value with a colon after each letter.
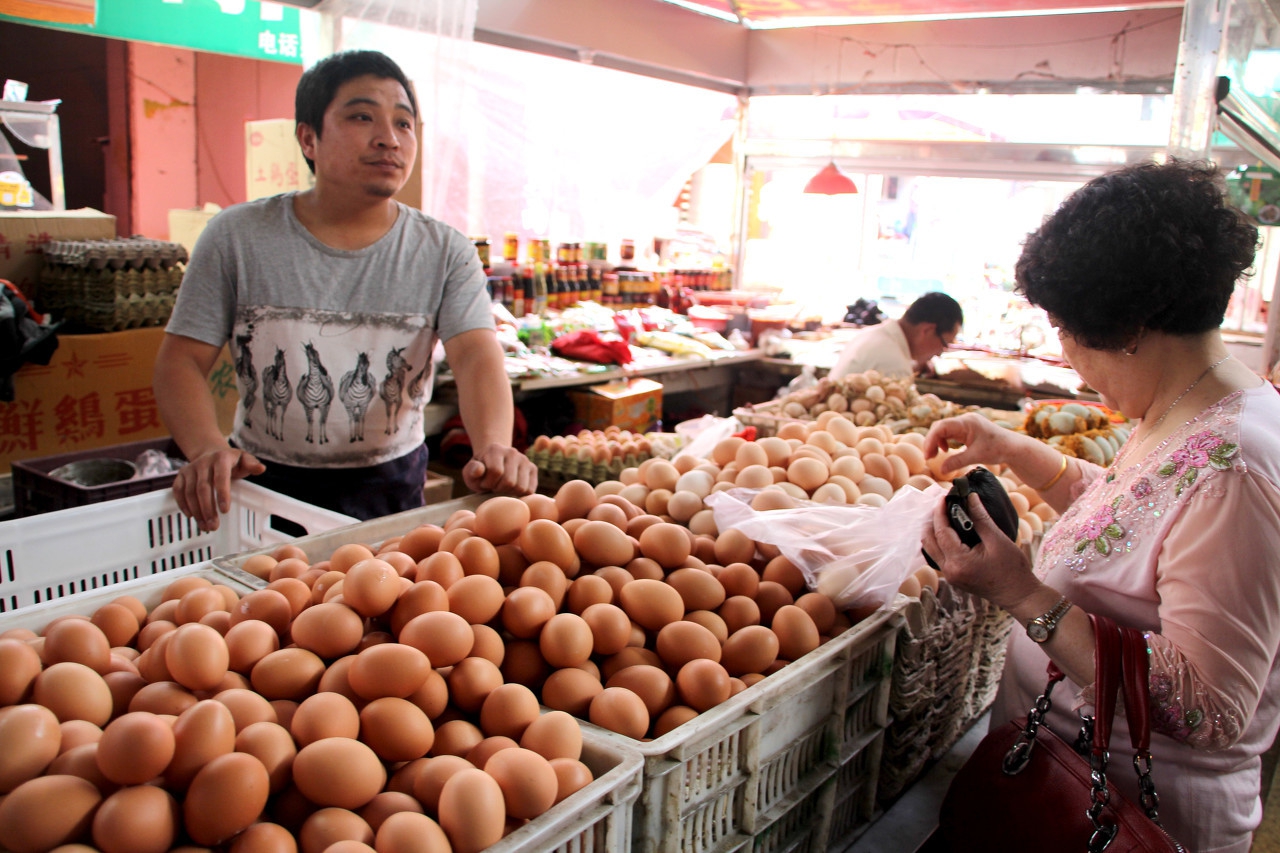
x: 667, y: 544
x: 782, y: 571
x: 196, y: 656
x: 140, y: 819
x: 135, y: 748
x: 526, y: 610
x: 544, y: 539
x: 619, y: 710
x: 251, y: 641
x: 570, y: 690
x: 699, y: 590
x: 266, y: 605
x: 77, y: 641
x: 478, y: 557
x: 422, y: 541
x: 603, y: 544
x: 471, y: 680
x: 323, y: 715
x: 264, y: 838
x: 555, y: 734
x: 485, y: 749
x: 201, y: 733
x: 652, y: 684
x: 323, y: 583
x: 180, y: 587
x: 73, y: 691
x: 548, y: 577
x: 198, y: 603
x: 797, y: 634
x: 472, y: 810
x: 396, y: 729
x: 166, y: 611
x: 389, y: 669
x: 476, y: 598
x: 527, y: 780
x: 456, y: 737
x: 77, y: 733
x: 652, y: 603
x: 770, y: 596
x: 422, y: 597
x: 371, y: 587
x: 335, y: 829
x: 433, y: 695
x: 508, y: 710
x: 407, y: 832
x: 19, y: 666
x: 575, y: 499
x: 821, y: 609
x: 630, y: 656
x: 566, y: 640
x: 752, y: 648
x: 676, y: 715
x: 610, y: 627
x: 501, y: 519
x: 271, y: 744
x: 47, y: 811
x: 338, y: 772
x: 487, y: 644
x: 443, y: 637
x: 259, y: 565
x: 287, y: 674
x: 385, y: 805
x: 30, y: 738
x: 679, y: 642
x: 702, y: 684
x: 226, y: 796
x: 117, y: 623
x: 429, y: 782
x: 442, y: 567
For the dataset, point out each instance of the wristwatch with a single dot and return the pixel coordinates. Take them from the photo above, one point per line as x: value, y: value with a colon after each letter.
x: 1040, y: 629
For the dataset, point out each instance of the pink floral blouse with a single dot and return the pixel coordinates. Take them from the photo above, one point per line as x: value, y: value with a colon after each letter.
x: 1185, y: 543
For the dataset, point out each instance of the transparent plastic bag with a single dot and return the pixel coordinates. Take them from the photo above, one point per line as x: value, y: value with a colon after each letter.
x: 153, y: 463
x: 858, y: 555
x: 703, y: 434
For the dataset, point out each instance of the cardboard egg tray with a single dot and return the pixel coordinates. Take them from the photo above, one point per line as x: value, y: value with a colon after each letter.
x: 57, y: 554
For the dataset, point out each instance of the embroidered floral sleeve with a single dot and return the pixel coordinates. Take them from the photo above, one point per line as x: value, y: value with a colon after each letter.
x: 1182, y: 707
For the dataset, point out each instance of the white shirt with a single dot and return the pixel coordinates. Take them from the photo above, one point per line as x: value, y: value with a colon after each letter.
x: 882, y: 347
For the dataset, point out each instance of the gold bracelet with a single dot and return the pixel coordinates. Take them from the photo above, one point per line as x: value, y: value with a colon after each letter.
x: 1056, y: 477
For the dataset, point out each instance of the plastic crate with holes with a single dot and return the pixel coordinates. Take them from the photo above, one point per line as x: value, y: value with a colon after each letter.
x: 57, y: 554
x: 754, y: 772
x: 595, y: 819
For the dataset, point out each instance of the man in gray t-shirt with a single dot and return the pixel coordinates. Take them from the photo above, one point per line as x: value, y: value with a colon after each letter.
x: 333, y: 300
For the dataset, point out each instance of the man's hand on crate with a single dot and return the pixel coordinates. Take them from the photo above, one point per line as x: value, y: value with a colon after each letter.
x: 203, y: 485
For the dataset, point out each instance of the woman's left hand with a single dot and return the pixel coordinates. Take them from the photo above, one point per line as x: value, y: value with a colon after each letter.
x: 995, y: 569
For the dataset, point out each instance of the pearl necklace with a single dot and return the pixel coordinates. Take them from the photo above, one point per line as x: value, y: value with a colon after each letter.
x: 1165, y: 414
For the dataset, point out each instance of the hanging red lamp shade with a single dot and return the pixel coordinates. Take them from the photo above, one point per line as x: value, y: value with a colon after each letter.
x: 830, y: 181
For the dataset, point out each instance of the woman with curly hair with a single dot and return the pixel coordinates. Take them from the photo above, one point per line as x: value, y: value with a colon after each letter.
x: 1180, y: 535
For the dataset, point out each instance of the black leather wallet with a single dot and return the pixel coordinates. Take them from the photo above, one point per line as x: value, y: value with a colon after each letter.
x: 994, y: 499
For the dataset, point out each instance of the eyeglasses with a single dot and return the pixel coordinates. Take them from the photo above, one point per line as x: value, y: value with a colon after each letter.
x: 947, y: 342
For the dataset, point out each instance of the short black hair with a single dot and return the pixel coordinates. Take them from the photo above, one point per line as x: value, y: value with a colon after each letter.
x: 1151, y: 246
x: 937, y: 308
x: 320, y: 83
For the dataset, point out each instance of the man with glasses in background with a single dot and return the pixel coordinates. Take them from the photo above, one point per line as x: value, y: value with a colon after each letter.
x: 905, y: 346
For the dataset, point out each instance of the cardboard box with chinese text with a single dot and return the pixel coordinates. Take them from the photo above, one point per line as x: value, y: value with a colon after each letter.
x: 273, y: 161
x: 95, y: 392
x: 23, y: 233
x: 631, y: 404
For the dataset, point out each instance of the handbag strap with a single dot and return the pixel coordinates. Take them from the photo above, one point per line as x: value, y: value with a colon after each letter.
x: 1137, y: 706
x: 1107, y: 669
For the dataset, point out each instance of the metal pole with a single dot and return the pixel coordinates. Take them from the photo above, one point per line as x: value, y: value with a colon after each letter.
x: 1196, y: 79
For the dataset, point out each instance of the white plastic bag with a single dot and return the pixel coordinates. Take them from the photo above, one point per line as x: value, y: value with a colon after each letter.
x: 858, y: 555
x: 703, y: 434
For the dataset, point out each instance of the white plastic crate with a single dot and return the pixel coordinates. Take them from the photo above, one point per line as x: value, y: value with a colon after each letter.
x: 736, y: 774
x: 46, y: 557
x: 320, y: 545
x: 596, y: 819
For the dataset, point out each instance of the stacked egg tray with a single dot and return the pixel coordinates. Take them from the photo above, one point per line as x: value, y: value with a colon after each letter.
x: 53, y: 555
x: 110, y: 285
x: 991, y: 629
x: 790, y: 763
x: 595, y: 819
x: 930, y: 683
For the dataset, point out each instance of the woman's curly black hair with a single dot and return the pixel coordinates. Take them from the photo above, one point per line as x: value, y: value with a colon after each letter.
x: 1149, y: 247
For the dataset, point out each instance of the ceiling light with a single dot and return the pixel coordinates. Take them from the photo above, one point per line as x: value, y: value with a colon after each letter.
x: 830, y: 181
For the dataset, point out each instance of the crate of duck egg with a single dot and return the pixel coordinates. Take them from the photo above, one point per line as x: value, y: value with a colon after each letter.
x: 596, y: 455
x: 1085, y: 432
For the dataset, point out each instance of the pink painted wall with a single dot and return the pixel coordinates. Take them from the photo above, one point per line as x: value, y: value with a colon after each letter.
x: 229, y: 92
x: 162, y: 123
x: 186, y: 126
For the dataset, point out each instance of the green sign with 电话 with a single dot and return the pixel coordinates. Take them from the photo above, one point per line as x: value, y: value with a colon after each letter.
x: 249, y: 28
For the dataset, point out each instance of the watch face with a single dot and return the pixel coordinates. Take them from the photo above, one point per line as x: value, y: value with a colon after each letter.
x: 1037, y: 631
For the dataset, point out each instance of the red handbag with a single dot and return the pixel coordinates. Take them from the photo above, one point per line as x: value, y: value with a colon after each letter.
x: 1053, y: 796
